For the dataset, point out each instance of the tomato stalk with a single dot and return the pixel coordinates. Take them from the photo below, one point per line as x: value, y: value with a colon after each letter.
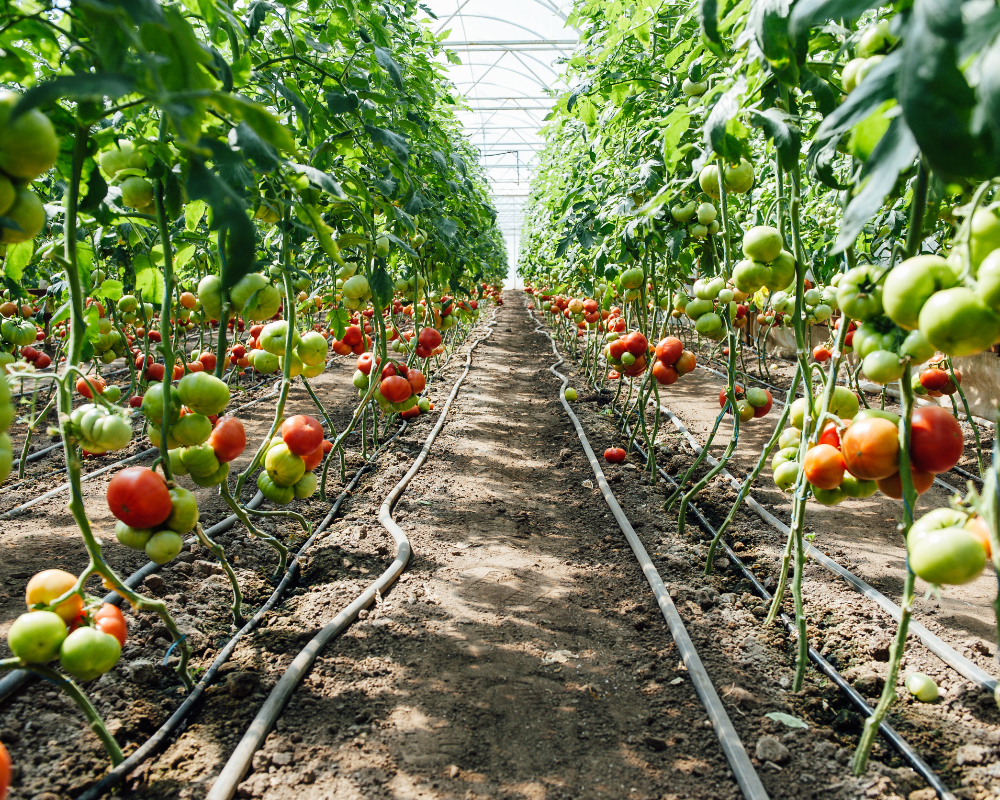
x: 873, y: 723
x: 168, y: 351
x: 219, y: 552
x: 34, y: 423
x: 241, y: 514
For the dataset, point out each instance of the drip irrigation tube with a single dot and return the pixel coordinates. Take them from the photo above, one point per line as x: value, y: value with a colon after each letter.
x: 937, y: 646
x: 746, y: 776
x: 898, y: 742
x: 239, y: 762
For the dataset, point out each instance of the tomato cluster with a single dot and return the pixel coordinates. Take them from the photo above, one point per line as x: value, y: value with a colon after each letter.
x: 150, y: 516
x: 752, y: 403
x: 83, y: 633
x: 291, y: 458
x: 28, y: 149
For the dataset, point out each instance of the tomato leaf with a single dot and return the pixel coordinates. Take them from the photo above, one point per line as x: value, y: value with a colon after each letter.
x: 385, y: 60
x: 18, y: 257
x: 393, y: 142
x: 895, y: 152
x: 381, y: 286
x: 808, y: 13
x: 708, y: 22
x: 787, y: 138
x: 338, y: 319
x: 109, y: 289
x: 74, y: 87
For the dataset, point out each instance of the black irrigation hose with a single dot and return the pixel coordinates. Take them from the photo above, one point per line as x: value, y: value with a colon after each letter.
x: 735, y: 753
x: 898, y: 742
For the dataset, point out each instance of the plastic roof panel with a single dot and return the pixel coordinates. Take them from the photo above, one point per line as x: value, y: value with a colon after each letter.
x: 508, y: 52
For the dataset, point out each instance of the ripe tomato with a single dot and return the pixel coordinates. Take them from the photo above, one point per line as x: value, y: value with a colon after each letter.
x: 893, y: 486
x: 428, y: 338
x: 871, y: 449
x: 109, y: 619
x: 934, y: 380
x: 830, y: 435
x: 139, y: 497
x: 155, y: 372
x: 4, y: 771
x: 302, y: 434
x: 617, y: 349
x: 664, y: 373
x: 949, y: 388
x: 395, y: 389
x: 636, y: 344
x: 209, y: 360
x: 724, y: 398
x: 685, y: 363
x: 824, y: 466
x: 821, y: 353
x: 614, y: 455
x: 613, y: 375
x: 195, y: 366
x: 228, y: 439
x: 98, y: 383
x: 668, y: 350
x: 365, y: 363
x: 416, y: 380
x: 49, y: 584
x: 936, y: 440
x: 315, y: 458
x: 352, y: 336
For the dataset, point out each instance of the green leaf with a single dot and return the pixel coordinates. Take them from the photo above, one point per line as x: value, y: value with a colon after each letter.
x: 395, y: 143
x: 259, y: 118
x: 896, y: 151
x: 341, y: 103
x: 184, y: 255
x: 110, y: 289
x: 75, y: 87
x: 385, y: 60
x: 18, y: 257
x: 320, y: 179
x: 717, y: 131
x: 708, y: 22
x: 381, y: 286
x: 808, y: 13
x: 260, y: 153
x: 150, y: 282
x: 97, y: 190
x: 300, y: 108
x: 338, y: 319
x: 787, y: 138
x: 193, y: 212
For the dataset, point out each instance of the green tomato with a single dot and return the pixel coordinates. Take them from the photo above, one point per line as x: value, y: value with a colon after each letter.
x: 217, y: 477
x: 910, y: 284
x: 163, y: 546
x: 200, y: 460
x: 762, y: 243
x: 876, y: 413
x: 782, y: 272
x: 859, y: 295
x: 738, y: 178
x: 708, y: 178
x: 135, y: 538
x: 88, y: 653
x: 684, y: 213
x: 749, y: 276
x: 312, y: 349
x: 883, y: 366
x: 570, y: 394
x: 707, y: 213
x: 191, y: 429
x: 203, y: 393
x: 985, y: 235
x: 632, y: 278
x: 424, y: 404
x: 176, y: 464
x: 789, y: 438
x: 946, y: 556
x: 272, y: 338
x: 283, y: 466
x: 829, y: 497
x: 922, y: 687
x: 305, y: 486
x: 698, y: 307
x: 211, y: 297
x: 822, y: 312
x: 916, y: 347
x: 245, y: 287
x: 786, y: 475
x: 6, y: 456
x: 708, y: 324
x: 296, y: 366
x: 279, y: 495
x: 958, y: 323
x: 263, y: 362
x: 360, y: 380
x: 113, y: 393
x: 36, y: 637
x: 725, y: 296
x: 844, y: 403
x: 856, y: 487
x: 988, y: 280
x: 184, y: 511
x: 783, y: 456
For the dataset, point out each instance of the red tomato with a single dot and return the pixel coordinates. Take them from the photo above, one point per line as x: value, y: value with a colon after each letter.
x: 824, y: 466
x: 761, y: 411
x: 154, y: 336
x: 637, y: 368
x: 135, y: 401
x: 314, y: 459
x: 664, y: 373
x: 42, y: 361
x: 228, y: 439
x: 84, y: 388
x: 29, y: 353
x: 636, y: 344
x: 395, y: 389
x: 951, y: 387
x: 139, y: 497
x: 617, y: 349
x: 934, y: 380
x: 255, y: 330
x: 365, y: 363
x: 109, y: 619
x: 302, y: 434
x: 830, y: 435
x: 669, y: 350
x: 155, y: 372
x: 686, y: 363
x: 195, y: 366
x: 724, y: 398
x: 416, y: 380
x: 429, y: 338
x: 614, y: 375
x: 178, y: 372
x: 352, y: 336
x: 614, y: 455
x: 327, y: 445
x: 821, y: 353
x: 239, y: 351
x: 410, y: 413
x: 4, y: 771
x: 871, y: 449
x: 893, y: 486
x: 936, y: 441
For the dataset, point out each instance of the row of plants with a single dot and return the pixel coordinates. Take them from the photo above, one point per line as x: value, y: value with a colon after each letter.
x: 723, y: 169
x: 193, y: 193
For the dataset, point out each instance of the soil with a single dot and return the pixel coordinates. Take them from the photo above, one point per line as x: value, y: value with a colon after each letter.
x: 521, y: 654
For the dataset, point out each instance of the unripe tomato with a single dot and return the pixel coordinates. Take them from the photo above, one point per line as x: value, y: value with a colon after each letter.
x: 283, y: 466
x: 109, y: 619
x: 163, y: 546
x: 280, y: 495
x: 47, y: 585
x: 88, y: 653
x: 302, y: 434
x: 36, y: 637
x: 139, y: 497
